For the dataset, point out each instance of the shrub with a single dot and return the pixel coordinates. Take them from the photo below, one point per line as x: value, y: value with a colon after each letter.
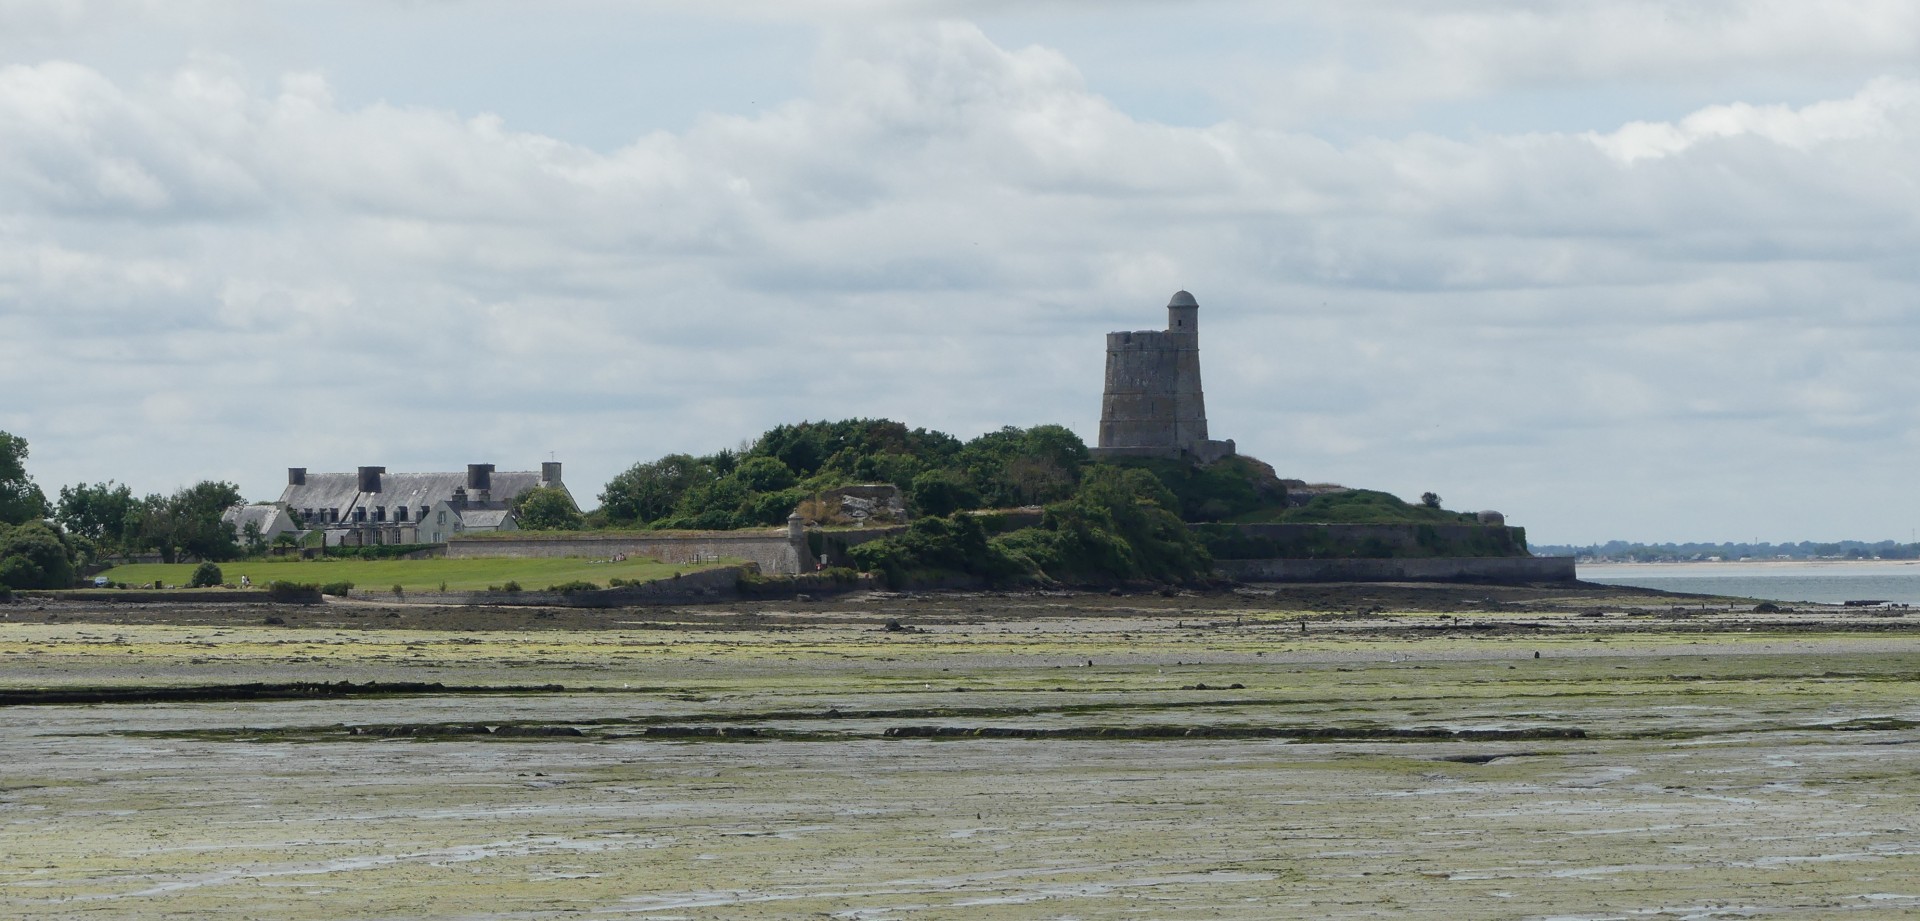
x: 509, y: 587
x: 6, y: 594
x: 206, y: 575
x: 936, y: 548
x: 577, y: 585
x: 35, y: 555
x: 337, y: 589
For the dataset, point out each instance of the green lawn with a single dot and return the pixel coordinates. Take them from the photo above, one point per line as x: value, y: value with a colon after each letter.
x: 415, y: 575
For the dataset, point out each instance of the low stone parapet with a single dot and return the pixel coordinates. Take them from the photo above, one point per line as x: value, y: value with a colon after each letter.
x: 721, y: 584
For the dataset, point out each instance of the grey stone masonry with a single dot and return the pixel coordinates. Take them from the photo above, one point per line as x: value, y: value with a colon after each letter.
x: 1153, y: 405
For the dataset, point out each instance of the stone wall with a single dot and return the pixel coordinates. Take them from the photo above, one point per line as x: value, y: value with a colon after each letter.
x: 774, y: 551
x: 1496, y: 570
x: 1332, y: 541
x: 719, y: 584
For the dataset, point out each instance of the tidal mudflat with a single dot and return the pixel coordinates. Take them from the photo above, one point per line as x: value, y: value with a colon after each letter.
x: 1444, y: 754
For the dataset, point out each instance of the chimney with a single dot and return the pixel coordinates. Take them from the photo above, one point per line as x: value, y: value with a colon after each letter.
x: 296, y: 476
x: 459, y: 499
x: 370, y: 478
x: 550, y: 473
x: 479, y: 476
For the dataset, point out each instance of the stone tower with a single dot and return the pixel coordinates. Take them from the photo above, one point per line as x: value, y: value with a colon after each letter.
x: 1153, y: 405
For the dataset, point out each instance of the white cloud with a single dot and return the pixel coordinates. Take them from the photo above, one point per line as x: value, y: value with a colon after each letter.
x: 1392, y: 56
x: 239, y: 272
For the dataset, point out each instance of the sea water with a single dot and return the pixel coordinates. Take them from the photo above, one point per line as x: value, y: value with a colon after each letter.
x: 1826, y: 582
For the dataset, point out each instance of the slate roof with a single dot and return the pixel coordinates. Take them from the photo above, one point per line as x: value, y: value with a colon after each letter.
x: 483, y: 519
x: 413, y: 490
x: 262, y: 515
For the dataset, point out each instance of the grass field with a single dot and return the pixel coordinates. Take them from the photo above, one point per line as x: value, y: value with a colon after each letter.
x: 415, y: 575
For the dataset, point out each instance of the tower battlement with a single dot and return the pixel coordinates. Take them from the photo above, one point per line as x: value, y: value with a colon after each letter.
x: 1153, y: 405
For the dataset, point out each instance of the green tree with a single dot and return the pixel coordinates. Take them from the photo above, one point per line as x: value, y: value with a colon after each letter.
x: 1120, y: 525
x: 251, y: 539
x: 35, y: 555
x: 943, y: 492
x: 1430, y: 499
x: 20, y: 500
x: 105, y: 513
x: 648, y: 492
x: 938, y: 548
x: 188, y: 522
x: 546, y: 508
x: 857, y: 450
x: 1016, y: 466
x: 764, y: 474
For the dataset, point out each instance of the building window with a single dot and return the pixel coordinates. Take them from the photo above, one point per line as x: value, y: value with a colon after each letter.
x: 360, y: 514
x: 442, y: 518
x: 399, y: 513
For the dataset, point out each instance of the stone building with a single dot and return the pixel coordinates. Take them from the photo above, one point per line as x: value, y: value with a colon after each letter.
x: 1153, y: 405
x: 372, y: 506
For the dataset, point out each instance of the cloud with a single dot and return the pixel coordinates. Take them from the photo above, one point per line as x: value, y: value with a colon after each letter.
x: 1393, y: 56
x: 237, y: 272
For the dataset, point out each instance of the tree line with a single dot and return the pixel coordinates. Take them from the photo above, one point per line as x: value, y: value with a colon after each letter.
x: 43, y: 544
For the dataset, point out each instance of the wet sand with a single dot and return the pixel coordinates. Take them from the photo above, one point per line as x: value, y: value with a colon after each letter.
x: 1660, y: 757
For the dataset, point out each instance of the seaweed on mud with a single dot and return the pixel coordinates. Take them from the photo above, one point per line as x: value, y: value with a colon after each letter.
x: 222, y: 693
x: 1304, y: 733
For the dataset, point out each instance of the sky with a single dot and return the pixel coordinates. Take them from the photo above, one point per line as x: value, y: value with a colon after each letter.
x: 1628, y: 270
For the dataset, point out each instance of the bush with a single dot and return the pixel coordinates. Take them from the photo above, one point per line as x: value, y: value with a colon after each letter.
x: 337, y: 589
x: 1119, y: 527
x: 35, y: 555
x: 6, y: 594
x: 206, y: 575
x: 1366, y: 506
x: 937, y: 548
x: 577, y: 585
x: 1232, y: 488
x: 509, y: 587
x: 943, y: 492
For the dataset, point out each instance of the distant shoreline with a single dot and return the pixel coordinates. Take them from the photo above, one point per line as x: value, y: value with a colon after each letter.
x: 1722, y: 567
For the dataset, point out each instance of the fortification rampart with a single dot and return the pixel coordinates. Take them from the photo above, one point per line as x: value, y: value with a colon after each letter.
x: 1359, y: 541
x: 712, y: 585
x: 774, y: 551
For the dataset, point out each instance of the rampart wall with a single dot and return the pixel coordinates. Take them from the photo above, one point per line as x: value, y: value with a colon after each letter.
x: 774, y: 551
x: 719, y: 584
x: 1345, y: 541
